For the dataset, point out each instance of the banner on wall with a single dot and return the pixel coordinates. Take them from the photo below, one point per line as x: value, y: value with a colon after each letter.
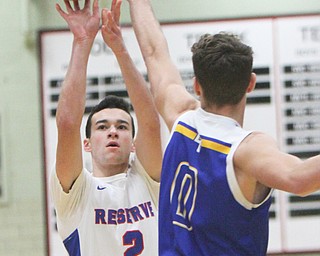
x: 285, y: 103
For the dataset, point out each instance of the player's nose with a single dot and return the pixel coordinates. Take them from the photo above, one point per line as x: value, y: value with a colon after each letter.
x: 112, y: 131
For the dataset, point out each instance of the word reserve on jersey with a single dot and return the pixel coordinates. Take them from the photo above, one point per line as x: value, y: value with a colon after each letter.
x: 121, y: 216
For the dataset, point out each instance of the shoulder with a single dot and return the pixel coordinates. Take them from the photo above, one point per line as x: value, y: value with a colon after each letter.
x: 180, y: 111
x: 187, y: 116
x: 257, y: 140
x: 255, y: 151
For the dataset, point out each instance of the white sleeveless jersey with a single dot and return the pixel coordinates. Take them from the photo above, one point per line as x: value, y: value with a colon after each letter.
x: 113, y: 216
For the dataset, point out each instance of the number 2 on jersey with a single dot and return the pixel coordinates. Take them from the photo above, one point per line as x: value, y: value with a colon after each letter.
x: 135, y: 239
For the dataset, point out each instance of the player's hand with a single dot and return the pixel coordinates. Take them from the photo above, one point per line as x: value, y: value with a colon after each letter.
x: 83, y: 23
x: 111, y: 31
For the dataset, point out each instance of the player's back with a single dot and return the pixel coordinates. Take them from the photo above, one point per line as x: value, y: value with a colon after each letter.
x: 202, y: 210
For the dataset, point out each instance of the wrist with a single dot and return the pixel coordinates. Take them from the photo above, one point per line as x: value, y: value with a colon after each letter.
x: 82, y: 42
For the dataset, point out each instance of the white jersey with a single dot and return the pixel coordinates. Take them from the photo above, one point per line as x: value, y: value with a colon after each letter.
x: 113, y: 216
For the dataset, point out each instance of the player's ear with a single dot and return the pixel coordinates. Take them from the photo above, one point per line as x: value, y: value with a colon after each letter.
x: 133, y: 147
x: 196, y: 86
x: 87, y: 145
x: 252, y: 83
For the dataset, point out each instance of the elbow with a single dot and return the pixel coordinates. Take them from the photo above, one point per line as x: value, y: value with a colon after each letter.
x: 156, y: 50
x: 301, y: 188
x: 67, y: 122
x: 301, y: 193
x: 304, y: 191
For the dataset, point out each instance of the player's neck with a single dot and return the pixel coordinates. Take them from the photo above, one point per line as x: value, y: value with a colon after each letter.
x: 236, y: 112
x: 109, y: 170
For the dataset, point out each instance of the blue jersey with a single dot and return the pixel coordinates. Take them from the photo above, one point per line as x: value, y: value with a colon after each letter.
x: 202, y: 210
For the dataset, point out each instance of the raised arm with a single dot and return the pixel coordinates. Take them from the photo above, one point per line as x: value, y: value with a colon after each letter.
x: 258, y: 158
x: 84, y: 25
x: 147, y: 142
x: 165, y: 79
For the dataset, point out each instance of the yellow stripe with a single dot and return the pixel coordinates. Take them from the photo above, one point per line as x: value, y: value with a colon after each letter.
x: 215, y: 146
x: 204, y: 143
x: 186, y: 132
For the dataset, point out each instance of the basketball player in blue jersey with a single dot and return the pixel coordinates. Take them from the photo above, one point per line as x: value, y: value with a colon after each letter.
x: 113, y: 210
x: 216, y: 178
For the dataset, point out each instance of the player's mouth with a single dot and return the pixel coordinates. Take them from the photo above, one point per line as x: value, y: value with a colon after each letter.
x: 113, y: 144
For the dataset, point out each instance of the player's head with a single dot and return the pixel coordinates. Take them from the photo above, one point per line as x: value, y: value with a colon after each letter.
x: 222, y: 66
x: 109, y: 101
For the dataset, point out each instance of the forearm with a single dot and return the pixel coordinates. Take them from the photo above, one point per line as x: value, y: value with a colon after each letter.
x: 138, y: 90
x: 69, y: 116
x: 147, y: 29
x: 73, y: 92
x: 84, y: 25
x: 153, y: 45
x: 164, y: 77
x: 147, y: 140
x: 307, y: 176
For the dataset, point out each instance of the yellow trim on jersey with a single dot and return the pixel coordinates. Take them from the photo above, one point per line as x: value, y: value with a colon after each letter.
x: 204, y: 142
x: 186, y: 131
x: 215, y: 146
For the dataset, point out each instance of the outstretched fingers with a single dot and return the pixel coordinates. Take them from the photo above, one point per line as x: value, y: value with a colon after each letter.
x: 95, y: 8
x: 115, y: 9
x: 62, y: 13
x: 83, y: 23
x: 111, y: 18
x: 69, y: 8
x: 76, y: 5
x: 108, y: 24
x: 111, y: 32
x: 104, y: 18
x: 86, y: 4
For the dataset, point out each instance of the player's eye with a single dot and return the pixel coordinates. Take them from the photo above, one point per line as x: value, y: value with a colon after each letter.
x: 102, y: 127
x: 122, y: 127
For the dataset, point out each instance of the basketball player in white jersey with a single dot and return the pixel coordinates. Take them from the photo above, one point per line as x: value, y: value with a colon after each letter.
x: 113, y: 210
x: 216, y: 177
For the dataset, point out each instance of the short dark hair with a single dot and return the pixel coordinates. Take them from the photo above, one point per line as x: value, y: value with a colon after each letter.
x: 222, y: 65
x: 110, y: 101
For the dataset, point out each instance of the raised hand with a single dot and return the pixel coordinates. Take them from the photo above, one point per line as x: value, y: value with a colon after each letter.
x: 110, y: 29
x: 83, y: 23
